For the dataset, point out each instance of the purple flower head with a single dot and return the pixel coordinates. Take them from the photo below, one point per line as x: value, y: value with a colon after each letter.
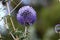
x: 57, y: 28
x: 26, y: 15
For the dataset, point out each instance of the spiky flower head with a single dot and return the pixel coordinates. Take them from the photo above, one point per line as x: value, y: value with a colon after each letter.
x: 57, y: 28
x: 26, y: 15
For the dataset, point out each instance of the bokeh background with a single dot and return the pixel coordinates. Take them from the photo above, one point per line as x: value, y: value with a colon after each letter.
x: 48, y: 15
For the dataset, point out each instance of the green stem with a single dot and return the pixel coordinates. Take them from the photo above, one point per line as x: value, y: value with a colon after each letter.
x: 26, y: 29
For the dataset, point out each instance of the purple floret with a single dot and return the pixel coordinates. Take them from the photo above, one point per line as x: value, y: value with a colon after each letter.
x: 26, y: 15
x: 57, y: 28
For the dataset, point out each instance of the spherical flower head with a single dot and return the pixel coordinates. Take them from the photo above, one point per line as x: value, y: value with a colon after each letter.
x: 26, y: 15
x: 57, y: 28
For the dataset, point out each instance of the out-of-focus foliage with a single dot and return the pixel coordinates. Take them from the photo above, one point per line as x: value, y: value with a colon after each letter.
x: 47, y: 17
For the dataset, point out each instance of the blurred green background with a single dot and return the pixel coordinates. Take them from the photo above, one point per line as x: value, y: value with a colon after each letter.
x: 48, y: 15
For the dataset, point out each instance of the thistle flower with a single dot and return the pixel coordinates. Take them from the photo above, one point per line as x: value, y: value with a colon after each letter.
x: 57, y: 28
x: 26, y: 15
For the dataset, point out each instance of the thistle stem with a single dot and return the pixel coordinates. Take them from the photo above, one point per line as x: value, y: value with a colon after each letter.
x: 11, y: 12
x: 9, y: 15
x: 17, y: 38
x: 16, y: 6
x: 26, y: 29
x: 12, y: 36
